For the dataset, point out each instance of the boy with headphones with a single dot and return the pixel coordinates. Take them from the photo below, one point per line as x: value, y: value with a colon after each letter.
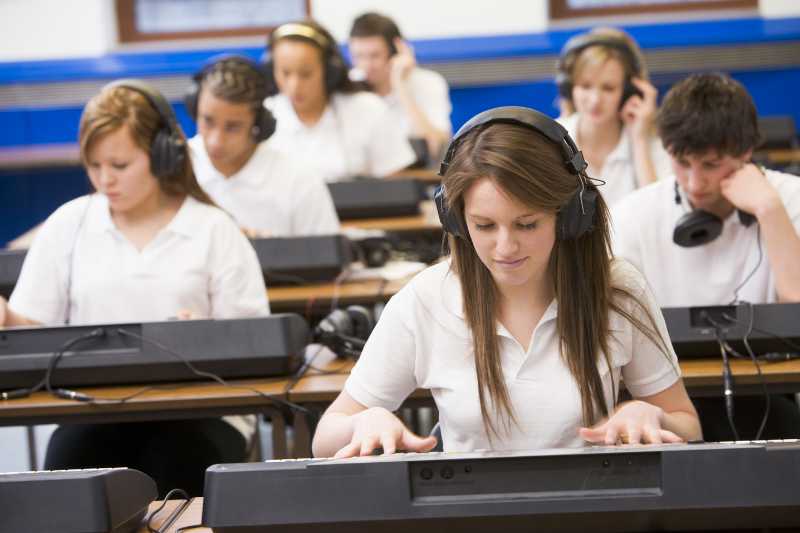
x: 523, y: 334
x: 418, y: 98
x: 268, y: 193
x: 720, y: 230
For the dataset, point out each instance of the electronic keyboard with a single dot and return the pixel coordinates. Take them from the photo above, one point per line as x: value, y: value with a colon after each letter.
x: 776, y: 327
x: 233, y: 348
x: 10, y: 267
x: 303, y: 260
x: 376, y: 198
x: 720, y: 486
x: 86, y: 501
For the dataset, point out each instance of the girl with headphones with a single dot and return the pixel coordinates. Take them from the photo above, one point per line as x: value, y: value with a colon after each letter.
x: 146, y: 246
x: 322, y: 117
x: 609, y: 108
x: 523, y: 334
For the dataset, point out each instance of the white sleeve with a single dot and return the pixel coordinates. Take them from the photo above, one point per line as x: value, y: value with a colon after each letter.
x: 433, y: 98
x: 650, y: 369
x: 313, y: 212
x: 236, y: 289
x: 384, y: 374
x: 41, y: 290
x: 624, y: 236
x: 388, y: 150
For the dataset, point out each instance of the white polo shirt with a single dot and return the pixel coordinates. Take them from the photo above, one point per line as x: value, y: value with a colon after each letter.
x: 430, y: 92
x: 200, y: 261
x: 354, y: 137
x: 271, y: 193
x: 703, y: 275
x: 422, y: 341
x: 619, y: 169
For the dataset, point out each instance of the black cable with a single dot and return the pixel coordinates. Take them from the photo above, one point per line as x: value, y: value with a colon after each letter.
x: 211, y: 375
x: 173, y: 516
x: 761, y: 379
x: 752, y: 272
x: 727, y: 378
x: 46, y: 381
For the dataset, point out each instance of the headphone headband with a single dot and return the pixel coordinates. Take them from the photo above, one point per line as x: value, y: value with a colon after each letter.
x: 578, y: 43
x: 153, y: 96
x: 296, y: 29
x: 525, y: 117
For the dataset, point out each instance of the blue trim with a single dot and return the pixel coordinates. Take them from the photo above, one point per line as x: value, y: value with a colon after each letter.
x: 182, y: 62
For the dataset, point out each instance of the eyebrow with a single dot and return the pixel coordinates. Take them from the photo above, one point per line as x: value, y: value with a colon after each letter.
x: 476, y: 215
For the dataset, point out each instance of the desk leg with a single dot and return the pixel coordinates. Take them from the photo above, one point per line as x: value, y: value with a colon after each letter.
x: 280, y: 450
x: 31, y: 446
x: 302, y: 436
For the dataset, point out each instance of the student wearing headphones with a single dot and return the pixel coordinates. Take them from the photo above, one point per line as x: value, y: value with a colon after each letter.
x: 268, y: 193
x: 720, y: 230
x: 419, y: 99
x: 322, y: 117
x: 524, y: 333
x: 148, y: 245
x: 609, y: 108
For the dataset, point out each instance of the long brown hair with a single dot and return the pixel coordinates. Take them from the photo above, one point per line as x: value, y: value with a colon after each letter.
x: 530, y: 168
x: 119, y: 106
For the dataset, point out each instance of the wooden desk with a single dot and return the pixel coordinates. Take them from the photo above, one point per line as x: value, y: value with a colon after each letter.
x: 190, y: 515
x: 702, y: 377
x: 781, y: 156
x: 424, y: 175
x: 162, y: 402
x: 307, y: 298
x: 426, y: 221
x: 41, y: 156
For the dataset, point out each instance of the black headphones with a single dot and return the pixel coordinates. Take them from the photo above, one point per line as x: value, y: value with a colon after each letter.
x: 345, y: 332
x: 698, y: 227
x: 577, y: 44
x: 264, y: 124
x: 168, y: 148
x: 576, y: 218
x: 336, y: 69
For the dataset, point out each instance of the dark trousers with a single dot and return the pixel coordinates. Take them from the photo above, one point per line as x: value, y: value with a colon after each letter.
x: 783, y: 421
x: 174, y: 453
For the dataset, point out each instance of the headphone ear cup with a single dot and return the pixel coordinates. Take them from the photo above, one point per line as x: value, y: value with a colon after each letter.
x: 577, y: 217
x: 449, y: 220
x: 167, y: 154
x: 265, y: 124
x: 696, y: 228
x: 336, y: 72
x: 362, y: 321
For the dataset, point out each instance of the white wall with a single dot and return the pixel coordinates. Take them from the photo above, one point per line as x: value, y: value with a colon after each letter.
x: 51, y: 29
x: 779, y: 8
x: 419, y: 19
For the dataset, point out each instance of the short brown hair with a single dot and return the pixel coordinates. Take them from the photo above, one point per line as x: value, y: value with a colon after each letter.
x: 235, y: 80
x: 708, y: 112
x: 376, y: 25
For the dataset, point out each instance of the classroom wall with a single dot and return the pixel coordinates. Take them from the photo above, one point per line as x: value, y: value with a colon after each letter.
x: 65, y: 31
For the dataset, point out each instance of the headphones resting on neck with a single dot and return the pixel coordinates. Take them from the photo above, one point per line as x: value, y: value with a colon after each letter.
x: 575, y: 219
x: 168, y: 148
x: 264, y: 124
x: 335, y: 67
x: 698, y: 227
x: 577, y: 44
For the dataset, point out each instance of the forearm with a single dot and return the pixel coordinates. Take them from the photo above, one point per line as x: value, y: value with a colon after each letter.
x: 421, y: 126
x: 14, y: 319
x: 334, y: 431
x: 643, y: 162
x: 782, y: 248
x: 684, y: 424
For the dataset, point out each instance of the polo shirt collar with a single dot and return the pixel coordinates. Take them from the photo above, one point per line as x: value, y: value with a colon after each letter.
x: 98, y: 216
